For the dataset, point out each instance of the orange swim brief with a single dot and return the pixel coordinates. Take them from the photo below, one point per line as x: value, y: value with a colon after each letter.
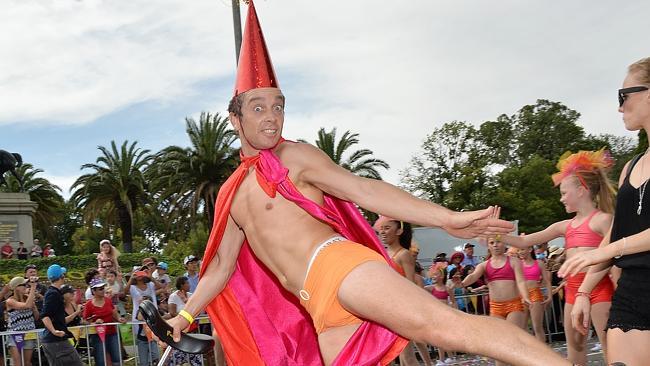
x: 328, y: 269
x: 503, y: 308
x: 535, y: 294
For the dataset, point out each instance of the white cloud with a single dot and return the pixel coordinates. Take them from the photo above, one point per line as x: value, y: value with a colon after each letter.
x: 391, y: 71
x: 63, y: 182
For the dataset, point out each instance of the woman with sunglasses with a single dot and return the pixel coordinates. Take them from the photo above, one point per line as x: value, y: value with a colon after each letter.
x: 627, y: 244
x: 21, y: 315
x: 99, y: 310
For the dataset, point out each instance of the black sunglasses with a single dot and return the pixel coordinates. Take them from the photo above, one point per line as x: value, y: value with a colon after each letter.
x: 622, y: 93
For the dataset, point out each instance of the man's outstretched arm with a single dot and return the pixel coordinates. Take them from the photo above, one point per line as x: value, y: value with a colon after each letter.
x: 384, y: 198
x: 214, y: 278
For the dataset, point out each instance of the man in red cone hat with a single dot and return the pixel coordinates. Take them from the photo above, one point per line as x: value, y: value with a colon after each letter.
x: 292, y: 274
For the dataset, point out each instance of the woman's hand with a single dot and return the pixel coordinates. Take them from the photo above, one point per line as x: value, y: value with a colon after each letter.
x: 582, y: 260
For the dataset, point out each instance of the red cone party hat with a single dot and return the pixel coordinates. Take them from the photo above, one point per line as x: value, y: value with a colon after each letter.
x: 255, y: 69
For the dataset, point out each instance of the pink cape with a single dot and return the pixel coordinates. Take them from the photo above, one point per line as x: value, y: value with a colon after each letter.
x: 258, y: 321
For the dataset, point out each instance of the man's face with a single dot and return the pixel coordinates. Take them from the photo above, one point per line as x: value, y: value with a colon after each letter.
x: 191, y: 266
x: 262, y: 119
x: 469, y: 251
x: 31, y: 272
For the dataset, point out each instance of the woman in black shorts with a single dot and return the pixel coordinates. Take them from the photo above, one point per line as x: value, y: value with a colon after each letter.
x: 628, y: 244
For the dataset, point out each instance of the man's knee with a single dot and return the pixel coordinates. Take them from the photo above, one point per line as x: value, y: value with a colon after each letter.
x: 442, y: 331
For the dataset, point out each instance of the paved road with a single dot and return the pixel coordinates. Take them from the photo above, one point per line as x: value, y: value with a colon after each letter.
x: 594, y: 358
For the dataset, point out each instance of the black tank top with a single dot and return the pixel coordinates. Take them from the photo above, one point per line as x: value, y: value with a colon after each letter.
x: 627, y: 222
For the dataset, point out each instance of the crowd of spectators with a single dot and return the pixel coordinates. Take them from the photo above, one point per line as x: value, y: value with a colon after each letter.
x: 19, y: 251
x: 111, y: 295
x: 474, y: 298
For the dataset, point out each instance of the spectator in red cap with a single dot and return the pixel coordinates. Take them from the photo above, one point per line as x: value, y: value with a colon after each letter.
x: 141, y: 288
x: 456, y: 260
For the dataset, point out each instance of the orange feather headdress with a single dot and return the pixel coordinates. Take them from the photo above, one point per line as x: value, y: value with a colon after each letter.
x: 581, y: 162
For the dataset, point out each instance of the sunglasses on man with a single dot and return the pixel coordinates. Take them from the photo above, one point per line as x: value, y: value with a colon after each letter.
x: 622, y: 93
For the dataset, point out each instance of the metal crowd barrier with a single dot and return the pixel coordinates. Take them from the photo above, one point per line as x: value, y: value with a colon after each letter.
x: 83, y: 332
x: 478, y: 304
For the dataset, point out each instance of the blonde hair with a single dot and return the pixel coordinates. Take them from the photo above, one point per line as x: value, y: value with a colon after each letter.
x: 600, y: 188
x: 642, y: 69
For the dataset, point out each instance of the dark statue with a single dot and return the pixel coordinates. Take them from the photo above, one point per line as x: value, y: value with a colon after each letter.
x: 8, y: 163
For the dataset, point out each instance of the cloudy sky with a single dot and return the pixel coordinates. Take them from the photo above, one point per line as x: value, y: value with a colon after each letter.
x: 77, y: 74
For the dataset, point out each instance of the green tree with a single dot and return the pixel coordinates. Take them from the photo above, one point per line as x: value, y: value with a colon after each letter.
x: 185, y: 181
x: 451, y: 168
x: 44, y: 193
x: 69, y: 221
x: 360, y: 162
x: 546, y: 129
x: 194, y: 243
x: 526, y: 193
x: 117, y: 186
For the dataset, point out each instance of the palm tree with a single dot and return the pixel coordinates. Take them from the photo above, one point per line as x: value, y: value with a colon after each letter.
x: 117, y: 187
x: 359, y: 162
x: 186, y: 180
x: 41, y: 191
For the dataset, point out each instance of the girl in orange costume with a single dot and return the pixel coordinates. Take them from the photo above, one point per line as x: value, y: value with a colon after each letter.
x: 443, y: 293
x: 505, y: 282
x: 536, y: 274
x: 585, y: 190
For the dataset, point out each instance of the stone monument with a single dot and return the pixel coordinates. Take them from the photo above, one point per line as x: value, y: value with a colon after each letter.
x: 16, y: 211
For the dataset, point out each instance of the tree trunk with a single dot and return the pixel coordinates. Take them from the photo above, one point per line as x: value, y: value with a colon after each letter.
x: 126, y: 225
x: 209, y: 211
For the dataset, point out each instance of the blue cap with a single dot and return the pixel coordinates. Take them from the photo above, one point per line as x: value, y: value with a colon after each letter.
x: 162, y: 265
x: 54, y: 272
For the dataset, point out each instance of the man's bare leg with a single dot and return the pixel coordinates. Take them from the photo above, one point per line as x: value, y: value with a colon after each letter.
x: 375, y: 292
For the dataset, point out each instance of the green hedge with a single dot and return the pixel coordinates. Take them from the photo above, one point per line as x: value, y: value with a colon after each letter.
x: 77, y: 265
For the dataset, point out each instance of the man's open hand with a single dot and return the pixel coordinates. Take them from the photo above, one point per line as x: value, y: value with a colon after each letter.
x: 481, y: 223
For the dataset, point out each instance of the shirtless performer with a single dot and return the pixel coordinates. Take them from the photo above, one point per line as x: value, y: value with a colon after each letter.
x: 273, y: 213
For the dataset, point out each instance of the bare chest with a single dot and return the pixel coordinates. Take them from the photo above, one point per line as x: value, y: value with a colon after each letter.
x: 253, y: 207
